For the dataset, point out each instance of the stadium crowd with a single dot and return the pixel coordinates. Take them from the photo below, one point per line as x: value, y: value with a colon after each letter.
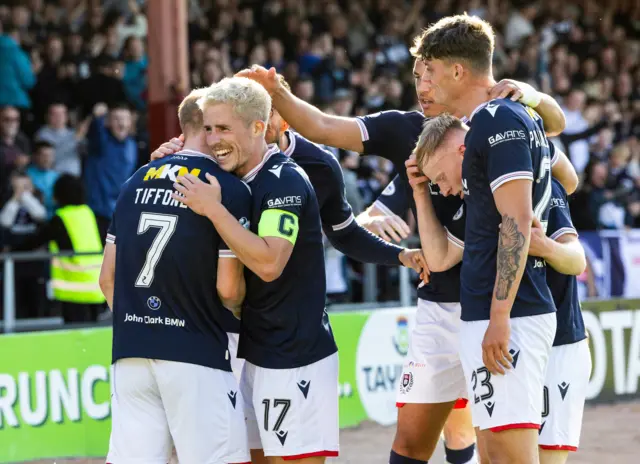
x: 74, y: 76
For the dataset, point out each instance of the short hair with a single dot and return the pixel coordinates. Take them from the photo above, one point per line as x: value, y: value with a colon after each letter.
x: 40, y: 145
x: 461, y: 37
x: 250, y: 101
x: 434, y: 133
x: 68, y: 190
x: 189, y: 113
x: 284, y: 82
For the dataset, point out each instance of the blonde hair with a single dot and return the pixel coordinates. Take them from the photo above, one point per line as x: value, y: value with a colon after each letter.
x: 434, y: 133
x: 250, y: 101
x: 189, y: 114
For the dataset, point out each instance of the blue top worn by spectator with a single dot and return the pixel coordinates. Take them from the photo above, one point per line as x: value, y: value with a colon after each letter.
x: 16, y: 72
x: 42, y: 174
x: 112, y: 158
x: 135, y: 82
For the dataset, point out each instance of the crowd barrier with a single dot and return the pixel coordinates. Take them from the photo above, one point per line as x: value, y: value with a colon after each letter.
x: 54, y: 386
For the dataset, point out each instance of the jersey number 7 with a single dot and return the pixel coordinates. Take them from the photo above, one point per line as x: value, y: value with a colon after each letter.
x: 167, y: 224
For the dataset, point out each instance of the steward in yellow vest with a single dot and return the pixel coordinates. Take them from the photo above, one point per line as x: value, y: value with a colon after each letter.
x: 74, y: 280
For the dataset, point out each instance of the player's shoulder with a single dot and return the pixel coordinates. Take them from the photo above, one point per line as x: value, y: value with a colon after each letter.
x: 302, y: 150
x: 396, y: 116
x: 281, y: 170
x: 497, y: 111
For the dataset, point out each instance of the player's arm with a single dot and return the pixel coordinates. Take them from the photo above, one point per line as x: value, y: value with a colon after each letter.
x: 513, y: 201
x: 265, y: 254
x: 383, y: 217
x: 545, y: 105
x: 230, y: 284
x: 560, y: 246
x: 108, y: 272
x: 563, y: 170
x: 563, y: 253
x: 308, y: 120
x: 441, y: 251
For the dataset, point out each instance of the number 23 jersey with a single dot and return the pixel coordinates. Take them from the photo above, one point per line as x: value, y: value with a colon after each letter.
x: 166, y: 304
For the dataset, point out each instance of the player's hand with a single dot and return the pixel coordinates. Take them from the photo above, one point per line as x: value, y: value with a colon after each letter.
x: 495, y: 345
x: 415, y: 260
x: 418, y: 181
x: 198, y: 195
x: 539, y: 241
x: 168, y: 148
x: 389, y: 228
x: 516, y: 91
x: 267, y: 78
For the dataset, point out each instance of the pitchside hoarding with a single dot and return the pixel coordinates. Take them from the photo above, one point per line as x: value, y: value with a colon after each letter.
x: 54, y: 386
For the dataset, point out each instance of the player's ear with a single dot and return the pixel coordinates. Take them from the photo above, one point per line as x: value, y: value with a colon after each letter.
x: 458, y: 71
x: 284, y: 125
x: 259, y: 128
x: 461, y: 149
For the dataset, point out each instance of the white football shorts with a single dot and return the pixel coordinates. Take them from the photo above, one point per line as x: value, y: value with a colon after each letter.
x: 156, y: 404
x: 513, y: 400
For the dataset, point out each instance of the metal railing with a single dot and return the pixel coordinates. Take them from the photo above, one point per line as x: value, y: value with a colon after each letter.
x: 10, y: 323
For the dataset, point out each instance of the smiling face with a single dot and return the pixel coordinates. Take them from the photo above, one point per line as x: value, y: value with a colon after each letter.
x: 231, y: 141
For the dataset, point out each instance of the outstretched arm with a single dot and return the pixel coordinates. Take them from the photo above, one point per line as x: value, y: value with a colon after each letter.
x: 308, y: 120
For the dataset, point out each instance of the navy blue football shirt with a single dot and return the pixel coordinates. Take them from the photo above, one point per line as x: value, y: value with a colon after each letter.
x: 564, y: 288
x: 395, y: 198
x: 506, y: 142
x: 165, y: 303
x: 284, y: 322
x: 393, y: 135
x: 325, y: 175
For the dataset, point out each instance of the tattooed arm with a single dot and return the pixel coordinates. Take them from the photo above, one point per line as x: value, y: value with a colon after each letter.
x: 513, y: 200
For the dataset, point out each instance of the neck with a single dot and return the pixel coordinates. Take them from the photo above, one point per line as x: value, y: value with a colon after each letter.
x: 195, y: 146
x: 254, y: 159
x: 477, y: 93
x: 283, y: 142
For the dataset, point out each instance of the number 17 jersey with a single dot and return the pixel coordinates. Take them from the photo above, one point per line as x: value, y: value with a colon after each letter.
x: 166, y: 304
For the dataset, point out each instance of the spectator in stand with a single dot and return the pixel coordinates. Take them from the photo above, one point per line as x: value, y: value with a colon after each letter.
x: 112, y: 157
x: 42, y: 173
x: 135, y: 72
x: 20, y: 218
x: 15, y: 69
x: 15, y: 146
x: 65, y: 140
x: 104, y: 86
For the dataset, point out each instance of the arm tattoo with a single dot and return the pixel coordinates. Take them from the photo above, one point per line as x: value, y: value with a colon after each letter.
x: 510, y: 245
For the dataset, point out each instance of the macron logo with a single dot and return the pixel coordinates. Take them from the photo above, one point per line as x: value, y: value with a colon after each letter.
x: 276, y: 170
x: 491, y: 109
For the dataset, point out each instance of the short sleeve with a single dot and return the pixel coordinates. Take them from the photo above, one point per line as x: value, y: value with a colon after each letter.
x: 111, y: 231
x: 377, y: 131
x: 282, y: 203
x: 559, y: 222
x: 504, y: 143
x: 455, y: 227
x: 335, y: 210
x: 394, y: 199
x: 238, y: 203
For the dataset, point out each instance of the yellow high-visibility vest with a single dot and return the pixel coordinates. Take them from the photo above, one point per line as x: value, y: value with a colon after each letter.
x: 75, y: 279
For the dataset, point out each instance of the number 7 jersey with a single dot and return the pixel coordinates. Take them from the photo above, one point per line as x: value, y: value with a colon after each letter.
x: 166, y: 304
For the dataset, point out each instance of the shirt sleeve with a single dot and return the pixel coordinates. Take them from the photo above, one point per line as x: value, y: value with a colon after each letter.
x: 238, y: 203
x: 394, y: 199
x: 111, y: 231
x: 559, y: 222
x: 455, y: 227
x: 377, y: 132
x: 335, y: 210
x: 505, y: 145
x: 282, y: 204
